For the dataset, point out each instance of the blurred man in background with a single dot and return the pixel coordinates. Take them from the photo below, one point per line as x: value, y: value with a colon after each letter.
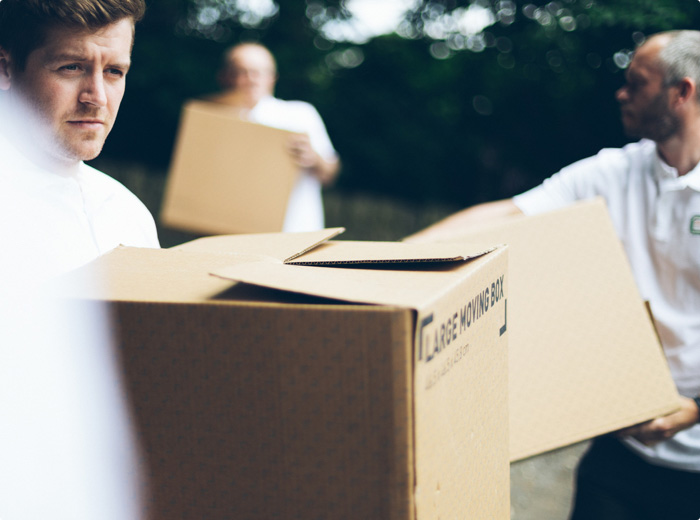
x: 66, y: 445
x: 248, y: 77
x: 652, y: 189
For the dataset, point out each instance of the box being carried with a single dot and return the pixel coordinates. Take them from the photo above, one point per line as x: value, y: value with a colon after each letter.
x: 313, y: 378
x: 227, y: 175
x: 584, y: 358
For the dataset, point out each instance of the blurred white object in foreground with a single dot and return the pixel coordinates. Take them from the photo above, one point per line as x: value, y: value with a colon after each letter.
x: 66, y: 448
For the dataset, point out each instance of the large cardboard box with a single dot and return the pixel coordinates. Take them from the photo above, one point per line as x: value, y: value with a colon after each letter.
x: 372, y: 386
x: 227, y: 175
x: 584, y: 357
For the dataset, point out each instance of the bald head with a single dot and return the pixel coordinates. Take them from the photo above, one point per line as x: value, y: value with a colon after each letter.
x: 249, y: 70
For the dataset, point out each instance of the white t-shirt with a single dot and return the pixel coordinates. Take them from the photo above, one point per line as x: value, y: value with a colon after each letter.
x: 51, y: 223
x: 656, y: 214
x: 305, y: 207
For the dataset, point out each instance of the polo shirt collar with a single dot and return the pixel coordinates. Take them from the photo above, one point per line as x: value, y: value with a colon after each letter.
x: 668, y: 174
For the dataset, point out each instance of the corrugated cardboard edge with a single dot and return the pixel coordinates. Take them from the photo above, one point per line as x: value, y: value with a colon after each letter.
x: 583, y: 435
x: 352, y: 252
x: 337, y: 232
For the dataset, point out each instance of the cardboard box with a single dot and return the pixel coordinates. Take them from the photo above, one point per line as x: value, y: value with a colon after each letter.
x: 227, y: 175
x: 584, y: 357
x: 373, y: 386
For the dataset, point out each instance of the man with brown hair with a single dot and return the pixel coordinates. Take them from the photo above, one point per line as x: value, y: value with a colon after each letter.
x: 63, y: 68
x: 66, y: 446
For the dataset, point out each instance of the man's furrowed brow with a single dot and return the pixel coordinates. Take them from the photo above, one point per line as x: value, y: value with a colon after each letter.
x: 70, y: 57
x: 66, y: 56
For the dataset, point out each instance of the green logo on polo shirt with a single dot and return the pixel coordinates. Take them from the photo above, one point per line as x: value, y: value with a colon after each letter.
x: 695, y: 225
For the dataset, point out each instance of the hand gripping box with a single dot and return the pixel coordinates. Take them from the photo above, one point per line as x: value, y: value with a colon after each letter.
x: 585, y: 359
x: 315, y: 379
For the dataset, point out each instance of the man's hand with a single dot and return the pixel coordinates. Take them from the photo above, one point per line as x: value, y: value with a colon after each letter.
x: 662, y: 428
x: 300, y: 149
x: 304, y: 156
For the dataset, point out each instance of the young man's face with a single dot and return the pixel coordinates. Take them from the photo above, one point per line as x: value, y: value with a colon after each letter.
x: 72, y: 87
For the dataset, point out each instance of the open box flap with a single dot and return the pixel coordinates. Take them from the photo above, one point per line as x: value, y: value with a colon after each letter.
x: 182, y: 273
x: 281, y: 246
x: 406, y: 275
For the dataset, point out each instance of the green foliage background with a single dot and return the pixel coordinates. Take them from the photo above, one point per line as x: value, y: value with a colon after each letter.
x: 463, y: 127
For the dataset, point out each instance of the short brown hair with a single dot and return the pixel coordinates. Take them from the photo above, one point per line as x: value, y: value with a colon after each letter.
x: 24, y: 23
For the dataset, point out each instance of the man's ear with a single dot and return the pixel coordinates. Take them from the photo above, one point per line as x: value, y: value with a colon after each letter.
x: 687, y: 90
x: 5, y: 70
